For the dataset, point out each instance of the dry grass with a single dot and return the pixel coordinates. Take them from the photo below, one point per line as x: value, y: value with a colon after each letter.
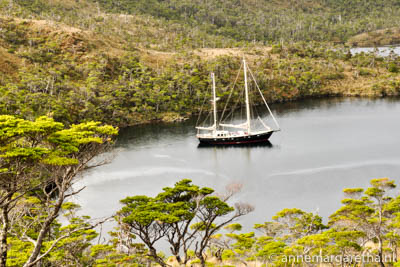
x: 376, y: 38
x: 9, y: 63
x: 211, y: 53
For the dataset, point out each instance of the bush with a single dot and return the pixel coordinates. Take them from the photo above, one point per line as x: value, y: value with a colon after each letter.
x: 393, y: 67
x: 364, y: 72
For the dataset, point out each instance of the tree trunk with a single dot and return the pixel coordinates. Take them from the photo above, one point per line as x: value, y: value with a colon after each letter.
x: 380, y: 252
x: 159, y: 260
x: 3, y: 236
x: 44, y: 231
x: 202, y: 260
x: 36, y: 251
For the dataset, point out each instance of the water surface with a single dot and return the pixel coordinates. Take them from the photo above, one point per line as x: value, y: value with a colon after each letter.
x: 324, y: 146
x: 383, y: 51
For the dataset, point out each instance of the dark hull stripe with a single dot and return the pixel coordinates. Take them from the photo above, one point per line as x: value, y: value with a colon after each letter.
x: 241, y: 142
x: 262, y: 138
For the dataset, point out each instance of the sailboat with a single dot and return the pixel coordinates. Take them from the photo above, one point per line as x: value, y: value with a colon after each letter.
x: 220, y: 133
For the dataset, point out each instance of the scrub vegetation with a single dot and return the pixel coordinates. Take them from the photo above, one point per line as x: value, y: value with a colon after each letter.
x: 73, y: 71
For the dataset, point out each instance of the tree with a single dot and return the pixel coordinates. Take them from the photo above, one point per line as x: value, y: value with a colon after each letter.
x: 292, y: 224
x: 43, y: 158
x: 268, y: 248
x: 242, y: 250
x: 144, y: 217
x: 185, y: 216
x: 69, y: 251
x: 346, y: 243
x: 211, y: 218
x: 371, y: 212
x: 221, y: 242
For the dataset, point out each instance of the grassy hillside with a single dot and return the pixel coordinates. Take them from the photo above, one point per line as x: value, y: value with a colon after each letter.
x: 172, y: 24
x: 135, y: 30
x: 268, y: 21
x: 75, y: 62
x: 390, y: 36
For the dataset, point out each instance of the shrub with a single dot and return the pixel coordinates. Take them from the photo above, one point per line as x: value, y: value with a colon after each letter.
x: 393, y: 67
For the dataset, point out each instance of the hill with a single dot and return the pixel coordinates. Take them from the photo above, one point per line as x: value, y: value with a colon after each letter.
x: 171, y: 24
x: 133, y: 30
x: 384, y: 37
x: 74, y: 61
x: 268, y: 21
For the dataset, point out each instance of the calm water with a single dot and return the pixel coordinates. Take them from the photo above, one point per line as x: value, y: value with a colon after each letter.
x: 324, y: 146
x: 382, y: 51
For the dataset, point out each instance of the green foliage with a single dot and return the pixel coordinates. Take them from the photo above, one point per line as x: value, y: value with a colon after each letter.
x: 269, y: 21
x: 39, y: 160
x: 367, y: 218
x: 393, y: 67
x: 233, y: 227
x: 45, y: 141
x: 75, y: 77
x: 69, y: 251
x: 130, y: 87
x: 367, y: 223
x: 181, y: 215
x: 18, y: 253
x: 364, y: 72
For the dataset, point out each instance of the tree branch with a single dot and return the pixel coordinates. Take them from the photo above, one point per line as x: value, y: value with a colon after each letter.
x: 65, y: 236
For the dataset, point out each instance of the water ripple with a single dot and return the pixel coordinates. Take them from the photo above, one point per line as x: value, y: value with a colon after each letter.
x: 390, y: 162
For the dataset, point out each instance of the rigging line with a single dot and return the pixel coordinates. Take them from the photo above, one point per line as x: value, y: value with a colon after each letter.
x: 259, y: 120
x: 234, y: 107
x: 241, y: 106
x: 201, y: 109
x: 232, y: 110
x: 255, y: 107
x: 256, y: 112
x: 208, y: 117
x: 265, y: 102
x: 230, y: 94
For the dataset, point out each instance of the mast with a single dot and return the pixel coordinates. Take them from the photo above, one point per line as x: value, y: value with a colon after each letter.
x: 247, y: 97
x: 214, y: 101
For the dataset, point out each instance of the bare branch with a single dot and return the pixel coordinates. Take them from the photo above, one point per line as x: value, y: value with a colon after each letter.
x: 62, y: 237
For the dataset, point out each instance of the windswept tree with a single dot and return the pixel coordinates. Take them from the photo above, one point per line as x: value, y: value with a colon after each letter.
x: 292, y: 232
x: 372, y: 212
x: 289, y: 225
x: 71, y: 250
x: 242, y: 249
x: 345, y: 243
x: 43, y: 159
x: 221, y: 242
x: 186, y: 216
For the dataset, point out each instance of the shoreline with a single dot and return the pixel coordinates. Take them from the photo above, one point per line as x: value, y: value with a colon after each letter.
x: 187, y: 117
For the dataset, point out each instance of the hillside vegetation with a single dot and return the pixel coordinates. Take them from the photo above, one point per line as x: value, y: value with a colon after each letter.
x: 73, y: 61
x: 69, y: 69
x: 173, y: 24
x: 384, y: 37
x: 270, y: 21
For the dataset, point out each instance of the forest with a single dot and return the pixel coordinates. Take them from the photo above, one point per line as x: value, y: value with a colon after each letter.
x: 74, y: 72
x: 74, y: 76
x: 271, y: 21
x: 77, y: 62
